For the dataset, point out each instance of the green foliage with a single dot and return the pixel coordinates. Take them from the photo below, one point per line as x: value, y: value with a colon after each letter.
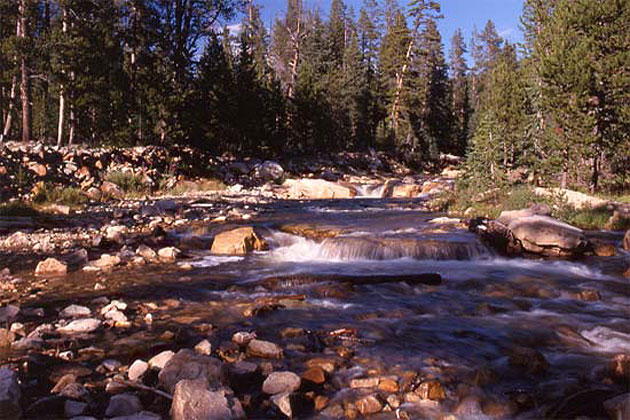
x: 51, y: 194
x: 129, y: 182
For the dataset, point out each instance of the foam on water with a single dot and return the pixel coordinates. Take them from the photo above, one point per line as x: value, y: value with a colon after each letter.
x: 608, y: 340
x: 214, y: 260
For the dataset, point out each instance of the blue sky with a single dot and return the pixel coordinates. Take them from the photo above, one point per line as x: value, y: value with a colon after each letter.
x: 457, y: 13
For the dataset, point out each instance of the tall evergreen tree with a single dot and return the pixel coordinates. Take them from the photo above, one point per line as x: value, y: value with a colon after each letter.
x: 460, y: 100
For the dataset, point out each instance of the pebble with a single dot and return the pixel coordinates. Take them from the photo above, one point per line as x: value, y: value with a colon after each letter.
x: 137, y: 369
x: 315, y: 375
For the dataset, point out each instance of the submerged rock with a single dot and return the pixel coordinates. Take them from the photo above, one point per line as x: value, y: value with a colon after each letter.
x: 10, y: 395
x: 264, y: 349
x: 238, y: 242
x: 279, y: 382
x: 193, y: 400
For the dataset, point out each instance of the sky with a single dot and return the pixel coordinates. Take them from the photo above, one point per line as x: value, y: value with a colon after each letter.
x: 464, y: 14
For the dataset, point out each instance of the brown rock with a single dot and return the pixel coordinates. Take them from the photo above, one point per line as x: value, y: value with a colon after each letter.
x: 604, y: 250
x: 193, y: 400
x: 369, y: 404
x: 619, y: 367
x: 315, y: 375
x: 626, y: 240
x: 321, y: 402
x: 238, y: 242
x: 186, y: 364
x: 364, y: 382
x: 388, y: 385
x: 168, y: 254
x: 406, y: 190
x: 618, y: 407
x: 51, y: 266
x: 431, y: 390
x: 588, y: 295
x: 529, y: 359
x: 327, y: 365
x: 281, y: 382
x: 110, y: 189
x: 38, y: 168
x: 318, y: 189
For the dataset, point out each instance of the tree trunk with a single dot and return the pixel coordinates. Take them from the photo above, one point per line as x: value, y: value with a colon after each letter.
x: 400, y: 79
x: 25, y: 85
x: 295, y: 40
x: 7, y: 123
x: 62, y: 90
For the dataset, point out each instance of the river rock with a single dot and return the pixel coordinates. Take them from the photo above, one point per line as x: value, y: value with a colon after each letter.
x: 10, y: 395
x: 186, y: 364
x: 147, y: 253
x: 75, y: 311
x: 626, y: 240
x: 283, y: 402
x: 192, y: 400
x: 314, y: 189
x: 508, y: 216
x: 264, y: 349
x: 8, y: 313
x: 123, y: 405
x: 80, y: 326
x: 369, y: 404
x: 137, y: 369
x: 17, y: 240
x: 278, y: 382
x: 406, y: 190
x: 106, y: 261
x: 51, y: 266
x: 116, y: 233
x: 74, y: 408
x: 546, y: 236
x: 161, y: 359
x: 204, y: 347
x: 168, y: 254
x: 618, y: 407
x: 238, y: 242
x: 112, y: 190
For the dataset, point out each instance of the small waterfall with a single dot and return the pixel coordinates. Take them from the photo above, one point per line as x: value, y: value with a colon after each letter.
x: 356, y: 248
x: 387, y: 248
x: 370, y: 190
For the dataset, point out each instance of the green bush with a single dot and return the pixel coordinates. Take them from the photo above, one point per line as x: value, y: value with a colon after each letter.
x: 129, y: 182
x: 69, y: 196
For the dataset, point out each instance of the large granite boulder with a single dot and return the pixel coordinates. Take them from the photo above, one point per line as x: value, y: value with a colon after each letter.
x: 531, y: 231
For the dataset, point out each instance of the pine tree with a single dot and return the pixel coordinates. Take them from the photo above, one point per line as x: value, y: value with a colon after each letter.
x: 460, y: 100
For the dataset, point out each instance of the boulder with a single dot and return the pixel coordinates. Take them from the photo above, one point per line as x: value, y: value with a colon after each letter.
x: 75, y: 311
x: 168, y: 254
x: 9, y: 395
x: 193, y: 400
x: 106, y: 261
x: 406, y: 190
x: 51, y: 266
x: 137, y: 369
x: 279, y: 382
x: 161, y: 359
x: 508, y: 216
x: 370, y: 404
x: 110, y: 189
x: 186, y: 364
x: 147, y: 253
x: 238, y: 242
x: 270, y: 171
x: 547, y: 236
x: 80, y: 326
x: 314, y: 189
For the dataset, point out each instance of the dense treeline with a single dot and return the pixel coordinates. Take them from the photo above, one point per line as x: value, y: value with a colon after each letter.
x: 170, y: 71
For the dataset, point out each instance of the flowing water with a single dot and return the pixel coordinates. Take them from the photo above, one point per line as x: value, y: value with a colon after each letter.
x: 369, y: 274
x: 485, y: 307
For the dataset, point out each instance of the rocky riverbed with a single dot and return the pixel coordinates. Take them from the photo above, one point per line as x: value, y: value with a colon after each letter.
x: 311, y: 298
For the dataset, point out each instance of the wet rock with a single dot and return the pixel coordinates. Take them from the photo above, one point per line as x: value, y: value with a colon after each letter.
x: 17, y: 240
x: 238, y: 242
x: 80, y: 326
x: 75, y: 311
x: 327, y: 365
x: 10, y: 395
x: 279, y: 382
x: 193, y: 400
x: 74, y: 408
x: 137, y: 369
x: 63, y: 382
x: 204, y: 347
x: 123, y: 405
x: 51, y: 266
x: 318, y: 189
x: 364, y: 382
x: 165, y: 206
x: 269, y: 171
x: 168, y: 254
x: 604, y: 250
x: 147, y: 253
x: 508, y: 216
x: 370, y: 404
x: 528, y: 359
x: 116, y: 233
x: 619, y: 368
x: 8, y: 313
x: 6, y: 337
x: 406, y: 190
x: 242, y: 376
x: 389, y: 385
x: 74, y: 391
x: 242, y: 338
x: 77, y: 258
x: 264, y: 349
x: 626, y: 240
x: 161, y: 359
x: 588, y: 295
x: 283, y: 402
x: 431, y: 390
x: 186, y: 364
x: 618, y: 408
x: 314, y: 375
